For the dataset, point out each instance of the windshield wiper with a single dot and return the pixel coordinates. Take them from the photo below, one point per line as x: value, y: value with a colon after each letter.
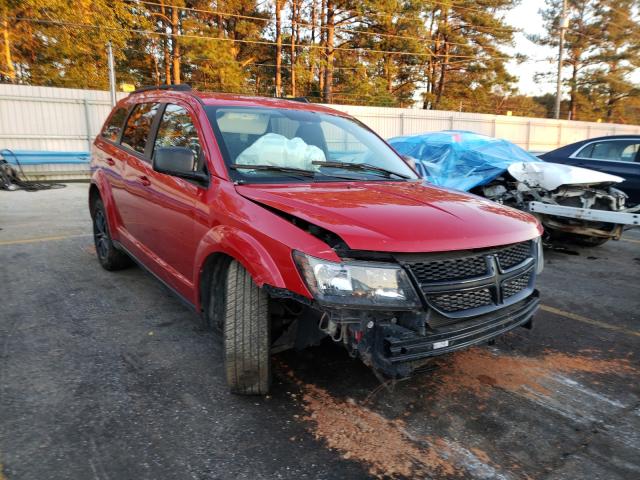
x: 362, y: 167
x: 275, y: 168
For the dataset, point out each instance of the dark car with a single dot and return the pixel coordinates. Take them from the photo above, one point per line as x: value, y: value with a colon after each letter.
x: 617, y: 155
x: 283, y: 222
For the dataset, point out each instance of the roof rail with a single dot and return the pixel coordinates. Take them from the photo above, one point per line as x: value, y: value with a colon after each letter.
x: 182, y: 87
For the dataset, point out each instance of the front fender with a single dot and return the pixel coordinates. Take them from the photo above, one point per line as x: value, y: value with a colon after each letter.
x: 270, y: 264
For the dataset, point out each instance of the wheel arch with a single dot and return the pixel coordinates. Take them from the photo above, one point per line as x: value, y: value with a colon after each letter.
x: 100, y: 189
x: 223, y: 243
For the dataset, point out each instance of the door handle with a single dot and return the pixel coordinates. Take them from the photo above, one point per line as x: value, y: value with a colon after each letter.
x: 110, y: 161
x: 144, y: 180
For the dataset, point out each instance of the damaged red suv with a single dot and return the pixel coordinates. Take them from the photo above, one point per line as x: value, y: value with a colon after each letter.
x: 283, y: 222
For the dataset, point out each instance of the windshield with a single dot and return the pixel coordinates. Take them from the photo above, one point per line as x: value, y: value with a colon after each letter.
x: 299, y: 145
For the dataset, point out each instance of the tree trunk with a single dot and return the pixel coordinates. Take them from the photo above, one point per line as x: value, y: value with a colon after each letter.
x: 573, y: 101
x: 314, y: 19
x: 165, y: 47
x: 175, y: 43
x: 11, y: 71
x: 328, y: 73
x: 294, y: 22
x: 278, y: 48
x: 323, y: 43
x: 388, y: 66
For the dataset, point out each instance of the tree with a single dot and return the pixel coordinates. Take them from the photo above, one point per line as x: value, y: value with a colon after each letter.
x: 581, y: 40
x: 618, y: 56
x: 467, y: 63
x: 602, y: 52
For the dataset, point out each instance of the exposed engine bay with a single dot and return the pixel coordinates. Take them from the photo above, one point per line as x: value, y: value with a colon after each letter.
x: 561, y: 185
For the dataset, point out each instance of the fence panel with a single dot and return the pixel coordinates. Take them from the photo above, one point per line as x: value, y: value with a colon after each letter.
x: 62, y: 119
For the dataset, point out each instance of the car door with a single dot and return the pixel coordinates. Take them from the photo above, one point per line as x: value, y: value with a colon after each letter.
x: 136, y: 147
x: 108, y: 156
x: 168, y: 224
x: 617, y: 157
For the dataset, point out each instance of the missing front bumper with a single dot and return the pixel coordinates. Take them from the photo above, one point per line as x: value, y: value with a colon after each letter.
x: 396, y: 351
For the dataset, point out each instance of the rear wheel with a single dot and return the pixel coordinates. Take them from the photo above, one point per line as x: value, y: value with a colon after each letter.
x: 246, y: 334
x: 108, y: 255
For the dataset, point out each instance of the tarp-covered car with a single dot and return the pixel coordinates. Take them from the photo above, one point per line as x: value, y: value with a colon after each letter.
x: 570, y: 201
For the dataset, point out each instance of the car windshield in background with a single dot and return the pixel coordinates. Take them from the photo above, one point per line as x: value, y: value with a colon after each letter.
x: 268, y: 144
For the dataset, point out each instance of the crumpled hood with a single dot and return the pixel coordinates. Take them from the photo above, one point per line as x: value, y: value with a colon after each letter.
x: 552, y: 175
x: 399, y: 216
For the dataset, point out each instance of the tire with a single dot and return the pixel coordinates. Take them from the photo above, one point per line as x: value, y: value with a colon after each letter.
x: 108, y: 255
x: 246, y: 334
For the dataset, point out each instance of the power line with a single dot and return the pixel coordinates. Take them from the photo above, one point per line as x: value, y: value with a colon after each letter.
x: 255, y: 42
x: 320, y: 27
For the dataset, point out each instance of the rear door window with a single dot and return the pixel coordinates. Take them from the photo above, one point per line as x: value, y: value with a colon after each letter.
x: 113, y: 127
x: 617, y: 150
x: 138, y: 127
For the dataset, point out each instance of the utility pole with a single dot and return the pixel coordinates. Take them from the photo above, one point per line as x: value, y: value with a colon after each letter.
x: 563, y: 24
x: 112, y: 74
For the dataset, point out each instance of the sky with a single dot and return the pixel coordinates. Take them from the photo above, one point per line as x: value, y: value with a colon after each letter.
x: 526, y: 17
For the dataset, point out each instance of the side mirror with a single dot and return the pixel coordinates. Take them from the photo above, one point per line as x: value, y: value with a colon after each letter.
x: 178, y: 162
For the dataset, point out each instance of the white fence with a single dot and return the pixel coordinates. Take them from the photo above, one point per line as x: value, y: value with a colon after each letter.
x: 61, y: 119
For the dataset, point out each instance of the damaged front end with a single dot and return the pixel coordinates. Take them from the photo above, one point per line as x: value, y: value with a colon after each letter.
x: 569, y: 201
x: 396, y: 311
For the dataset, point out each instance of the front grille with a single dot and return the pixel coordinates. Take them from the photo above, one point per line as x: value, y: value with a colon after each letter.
x: 514, y: 255
x: 445, y: 270
x: 473, y: 282
x: 454, y: 302
x: 516, y: 285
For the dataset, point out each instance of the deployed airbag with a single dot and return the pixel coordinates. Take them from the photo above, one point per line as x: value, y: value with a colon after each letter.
x: 278, y: 150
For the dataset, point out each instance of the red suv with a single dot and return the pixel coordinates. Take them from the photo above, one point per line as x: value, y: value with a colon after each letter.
x: 282, y: 222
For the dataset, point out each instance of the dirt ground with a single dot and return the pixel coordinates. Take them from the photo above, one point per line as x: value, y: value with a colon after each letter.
x: 108, y: 376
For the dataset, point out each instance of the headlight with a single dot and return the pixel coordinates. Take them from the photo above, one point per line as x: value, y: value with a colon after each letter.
x: 357, y: 283
x: 539, y: 255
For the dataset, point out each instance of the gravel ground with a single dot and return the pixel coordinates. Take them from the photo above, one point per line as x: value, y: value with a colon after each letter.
x: 108, y: 376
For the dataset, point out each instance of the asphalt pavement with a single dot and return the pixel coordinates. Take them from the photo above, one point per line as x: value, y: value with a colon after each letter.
x: 108, y: 376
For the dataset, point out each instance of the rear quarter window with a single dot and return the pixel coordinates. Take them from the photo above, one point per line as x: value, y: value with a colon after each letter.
x: 138, y: 127
x: 113, y: 127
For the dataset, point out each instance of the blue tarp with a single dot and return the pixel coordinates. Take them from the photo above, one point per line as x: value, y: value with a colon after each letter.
x: 459, y: 159
x: 38, y: 157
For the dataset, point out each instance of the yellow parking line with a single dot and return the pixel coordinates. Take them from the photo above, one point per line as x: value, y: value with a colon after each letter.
x: 41, y: 239
x: 590, y: 321
x: 630, y: 240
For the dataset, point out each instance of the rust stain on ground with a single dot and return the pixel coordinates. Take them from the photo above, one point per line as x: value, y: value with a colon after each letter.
x: 479, y: 371
x: 384, y: 445
x: 390, y: 451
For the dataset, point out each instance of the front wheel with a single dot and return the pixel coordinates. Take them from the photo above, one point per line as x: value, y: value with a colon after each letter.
x: 246, y: 334
x: 108, y: 255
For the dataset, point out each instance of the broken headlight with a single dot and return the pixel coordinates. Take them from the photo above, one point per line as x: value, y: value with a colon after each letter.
x: 372, y: 284
x: 539, y: 255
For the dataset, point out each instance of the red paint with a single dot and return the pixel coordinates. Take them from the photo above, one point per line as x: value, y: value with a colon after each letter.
x: 172, y: 225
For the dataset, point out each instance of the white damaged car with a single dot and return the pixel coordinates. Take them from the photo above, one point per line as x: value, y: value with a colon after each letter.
x: 571, y: 202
